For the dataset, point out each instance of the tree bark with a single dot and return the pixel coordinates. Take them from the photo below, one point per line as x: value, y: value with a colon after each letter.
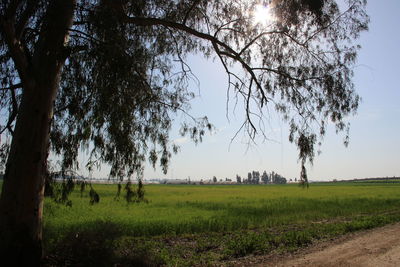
x: 21, y: 202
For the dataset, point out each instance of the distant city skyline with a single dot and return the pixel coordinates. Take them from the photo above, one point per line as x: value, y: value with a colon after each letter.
x: 374, y: 134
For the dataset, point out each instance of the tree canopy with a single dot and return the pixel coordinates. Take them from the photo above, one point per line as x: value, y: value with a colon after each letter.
x: 125, y: 74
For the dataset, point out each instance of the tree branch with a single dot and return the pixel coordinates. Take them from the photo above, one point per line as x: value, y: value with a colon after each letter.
x: 256, y: 38
x: 141, y: 21
x: 24, y: 17
x: 195, y: 3
x: 13, y: 114
x: 327, y: 26
x: 12, y: 87
x: 16, y: 49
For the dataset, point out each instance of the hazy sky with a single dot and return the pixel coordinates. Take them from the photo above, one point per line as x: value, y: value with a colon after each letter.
x: 374, y: 148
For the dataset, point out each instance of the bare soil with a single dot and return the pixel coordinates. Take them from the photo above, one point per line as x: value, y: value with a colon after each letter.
x: 375, y: 247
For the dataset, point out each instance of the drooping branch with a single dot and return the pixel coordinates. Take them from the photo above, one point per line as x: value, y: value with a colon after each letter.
x: 328, y: 25
x: 194, y: 4
x: 256, y: 38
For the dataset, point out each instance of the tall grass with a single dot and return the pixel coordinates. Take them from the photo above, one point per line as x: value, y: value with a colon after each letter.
x: 184, y: 209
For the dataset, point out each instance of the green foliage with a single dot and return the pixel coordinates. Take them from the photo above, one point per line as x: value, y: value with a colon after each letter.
x: 135, y: 196
x: 82, y: 185
x: 60, y: 191
x: 119, y: 187
x: 130, y: 194
x: 140, y: 191
x: 94, y: 196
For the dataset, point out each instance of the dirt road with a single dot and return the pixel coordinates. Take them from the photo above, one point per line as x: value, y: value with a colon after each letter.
x: 377, y: 247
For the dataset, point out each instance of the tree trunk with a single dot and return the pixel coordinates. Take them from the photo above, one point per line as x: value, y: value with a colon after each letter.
x: 21, y: 202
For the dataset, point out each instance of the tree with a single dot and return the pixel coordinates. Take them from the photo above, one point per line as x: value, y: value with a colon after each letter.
x: 109, y: 75
x: 249, y: 178
x: 279, y: 179
x: 238, y: 179
x: 265, y: 178
x: 276, y: 178
x: 256, y: 177
x: 214, y: 179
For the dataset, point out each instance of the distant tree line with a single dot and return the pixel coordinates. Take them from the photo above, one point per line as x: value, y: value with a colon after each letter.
x: 254, y: 177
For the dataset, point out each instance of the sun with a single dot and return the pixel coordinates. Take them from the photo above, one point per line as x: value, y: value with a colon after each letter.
x: 262, y: 14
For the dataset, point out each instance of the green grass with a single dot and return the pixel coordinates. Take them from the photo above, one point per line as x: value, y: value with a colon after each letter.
x: 188, y: 225
x: 188, y: 209
x: 216, y: 223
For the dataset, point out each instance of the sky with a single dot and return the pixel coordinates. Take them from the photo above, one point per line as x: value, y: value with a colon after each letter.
x: 374, y: 149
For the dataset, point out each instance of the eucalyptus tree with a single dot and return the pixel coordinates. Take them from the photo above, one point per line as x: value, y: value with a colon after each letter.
x: 108, y: 76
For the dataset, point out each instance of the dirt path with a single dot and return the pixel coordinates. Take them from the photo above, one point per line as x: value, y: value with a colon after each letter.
x: 376, y: 247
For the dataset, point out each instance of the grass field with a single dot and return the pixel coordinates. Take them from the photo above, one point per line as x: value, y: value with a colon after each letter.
x: 185, y: 225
